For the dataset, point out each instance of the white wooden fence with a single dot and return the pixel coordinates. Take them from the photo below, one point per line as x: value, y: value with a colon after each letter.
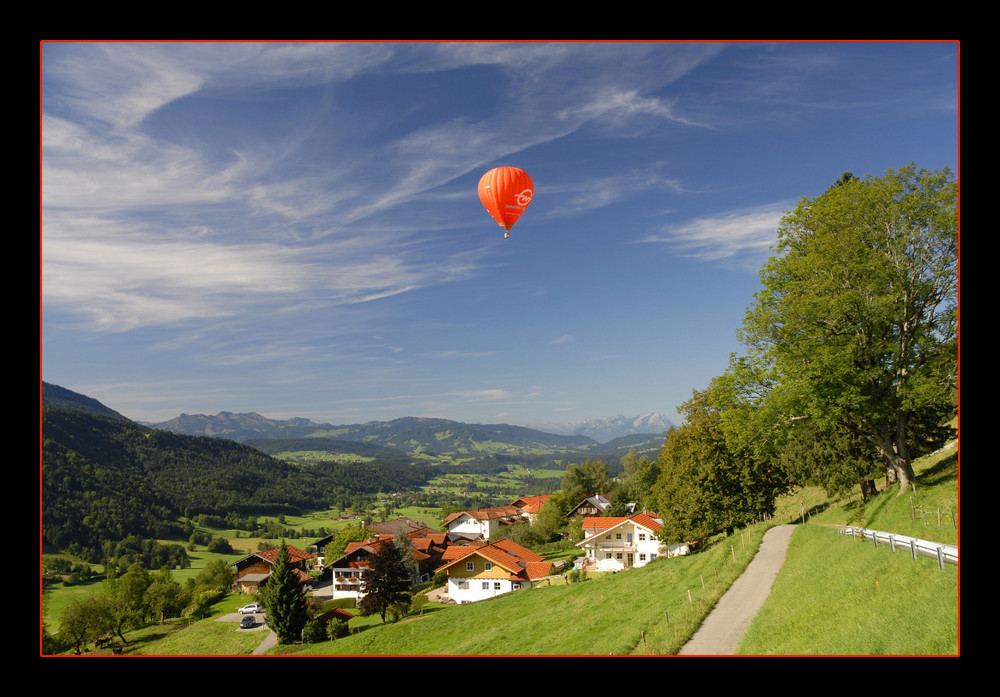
x: 943, y: 553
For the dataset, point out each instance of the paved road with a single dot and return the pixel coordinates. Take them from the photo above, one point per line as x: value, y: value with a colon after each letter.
x: 725, y: 625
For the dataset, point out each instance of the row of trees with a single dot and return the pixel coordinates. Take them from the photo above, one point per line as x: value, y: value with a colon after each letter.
x: 136, y: 597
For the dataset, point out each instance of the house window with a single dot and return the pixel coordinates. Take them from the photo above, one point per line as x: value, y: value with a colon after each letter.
x: 463, y: 585
x: 489, y: 566
x: 642, y: 537
x: 618, y: 536
x: 642, y: 557
x: 618, y: 556
x: 496, y: 585
x: 469, y: 566
x: 607, y: 555
x: 486, y: 585
x: 608, y: 537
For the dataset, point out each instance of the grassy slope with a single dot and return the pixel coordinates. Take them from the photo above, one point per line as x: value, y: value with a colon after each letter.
x: 642, y: 611
x: 836, y: 595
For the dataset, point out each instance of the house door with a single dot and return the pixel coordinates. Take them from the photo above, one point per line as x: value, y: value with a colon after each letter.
x: 628, y: 537
x: 631, y: 558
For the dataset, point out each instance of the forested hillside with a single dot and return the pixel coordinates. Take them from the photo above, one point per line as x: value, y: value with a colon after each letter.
x: 105, y: 478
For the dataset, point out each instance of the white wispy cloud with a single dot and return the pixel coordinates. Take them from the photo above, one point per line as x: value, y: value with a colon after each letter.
x: 147, y: 220
x: 741, y: 233
x: 460, y: 354
x: 597, y: 192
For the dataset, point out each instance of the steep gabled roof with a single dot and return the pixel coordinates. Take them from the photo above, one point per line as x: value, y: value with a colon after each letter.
x: 508, y: 555
x: 597, y: 500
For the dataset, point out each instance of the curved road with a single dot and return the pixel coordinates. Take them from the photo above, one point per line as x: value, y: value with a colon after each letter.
x: 725, y: 625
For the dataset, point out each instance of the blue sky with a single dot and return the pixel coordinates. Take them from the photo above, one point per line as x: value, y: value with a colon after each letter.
x: 294, y: 229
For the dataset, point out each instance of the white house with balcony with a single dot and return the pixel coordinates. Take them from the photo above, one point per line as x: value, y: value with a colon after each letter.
x: 615, y: 543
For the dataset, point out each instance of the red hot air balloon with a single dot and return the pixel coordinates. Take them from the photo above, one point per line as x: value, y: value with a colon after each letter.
x: 506, y: 192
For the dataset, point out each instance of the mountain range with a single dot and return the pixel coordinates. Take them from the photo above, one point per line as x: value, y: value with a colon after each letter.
x: 411, y: 435
x: 604, y: 430
x: 248, y: 426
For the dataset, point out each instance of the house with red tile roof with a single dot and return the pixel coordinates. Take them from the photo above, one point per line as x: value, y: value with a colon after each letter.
x: 336, y: 614
x: 253, y: 570
x: 614, y: 543
x: 479, y: 572
x: 481, y: 523
x: 342, y: 577
x: 530, y: 505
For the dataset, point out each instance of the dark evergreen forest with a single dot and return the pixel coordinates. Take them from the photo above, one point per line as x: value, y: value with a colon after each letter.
x: 106, y: 478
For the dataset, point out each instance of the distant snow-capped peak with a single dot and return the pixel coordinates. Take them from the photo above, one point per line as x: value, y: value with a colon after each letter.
x: 611, y: 427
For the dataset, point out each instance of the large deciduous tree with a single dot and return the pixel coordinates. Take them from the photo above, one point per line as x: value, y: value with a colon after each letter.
x: 123, y: 598
x: 855, y: 328
x: 387, y: 580
x: 705, y: 486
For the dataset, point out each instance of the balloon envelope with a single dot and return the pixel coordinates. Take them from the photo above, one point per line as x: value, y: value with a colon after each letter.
x: 506, y: 192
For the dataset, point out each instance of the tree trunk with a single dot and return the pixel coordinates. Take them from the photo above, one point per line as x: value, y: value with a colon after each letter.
x: 867, y: 489
x: 898, y: 469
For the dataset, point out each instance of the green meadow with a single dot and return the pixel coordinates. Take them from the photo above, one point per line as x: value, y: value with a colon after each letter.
x: 834, y: 596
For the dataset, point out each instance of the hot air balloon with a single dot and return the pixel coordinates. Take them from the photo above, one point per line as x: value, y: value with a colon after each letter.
x: 506, y: 192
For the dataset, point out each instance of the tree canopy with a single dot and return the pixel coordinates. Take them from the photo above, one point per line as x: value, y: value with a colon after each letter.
x: 855, y: 329
x: 704, y: 485
x: 386, y: 581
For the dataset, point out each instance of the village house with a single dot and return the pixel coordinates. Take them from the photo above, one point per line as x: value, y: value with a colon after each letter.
x: 482, y: 523
x: 342, y: 577
x: 615, y: 543
x: 253, y: 570
x: 591, y: 506
x: 530, y: 505
x: 478, y: 572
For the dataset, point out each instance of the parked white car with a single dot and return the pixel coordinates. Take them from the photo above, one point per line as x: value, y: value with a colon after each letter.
x: 252, y: 607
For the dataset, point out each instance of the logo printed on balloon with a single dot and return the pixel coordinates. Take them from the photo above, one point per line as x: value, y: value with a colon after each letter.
x: 506, y: 192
